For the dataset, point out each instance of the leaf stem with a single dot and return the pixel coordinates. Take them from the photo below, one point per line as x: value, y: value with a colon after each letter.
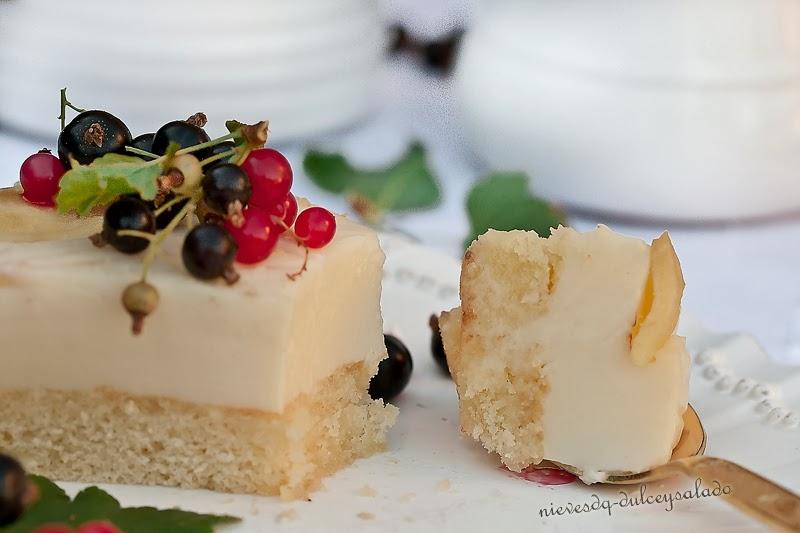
x: 139, y: 151
x: 64, y: 105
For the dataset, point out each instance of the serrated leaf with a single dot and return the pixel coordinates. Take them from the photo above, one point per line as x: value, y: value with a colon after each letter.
x: 502, y: 201
x: 105, y: 179
x: 407, y: 185
x: 93, y: 503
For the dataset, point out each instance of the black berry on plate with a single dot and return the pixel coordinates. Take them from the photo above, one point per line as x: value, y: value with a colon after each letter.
x: 208, y: 252
x: 394, y: 372
x: 437, y: 346
x: 226, y: 189
x: 92, y: 134
x: 182, y: 133
x: 144, y: 142
x: 13, y: 489
x: 128, y: 213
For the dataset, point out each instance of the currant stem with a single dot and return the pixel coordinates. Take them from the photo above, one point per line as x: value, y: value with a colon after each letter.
x: 293, y: 277
x: 139, y: 151
x: 135, y: 233
x: 64, y: 105
x: 167, y: 205
x: 155, y: 242
x: 217, y: 157
x: 208, y: 144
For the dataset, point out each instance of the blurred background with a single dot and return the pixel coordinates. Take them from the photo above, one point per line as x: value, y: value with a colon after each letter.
x: 678, y: 114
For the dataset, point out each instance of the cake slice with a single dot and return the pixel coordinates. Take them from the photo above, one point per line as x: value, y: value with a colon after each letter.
x: 259, y: 387
x: 564, y: 349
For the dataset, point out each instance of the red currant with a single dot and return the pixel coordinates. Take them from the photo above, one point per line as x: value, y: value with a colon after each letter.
x: 315, y: 226
x: 39, y: 176
x: 98, y: 527
x: 286, y: 211
x: 270, y: 175
x: 257, y: 236
x: 54, y: 528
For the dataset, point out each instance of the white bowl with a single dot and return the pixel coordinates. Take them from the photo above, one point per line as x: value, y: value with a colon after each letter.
x: 305, y: 65
x: 665, y: 109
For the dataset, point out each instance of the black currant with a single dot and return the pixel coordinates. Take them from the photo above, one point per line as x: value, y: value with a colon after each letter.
x: 394, y: 372
x: 223, y: 186
x: 220, y: 148
x: 144, y: 142
x: 437, y: 346
x: 208, y: 252
x: 182, y: 133
x: 165, y: 217
x: 132, y: 214
x: 92, y: 134
x: 13, y: 489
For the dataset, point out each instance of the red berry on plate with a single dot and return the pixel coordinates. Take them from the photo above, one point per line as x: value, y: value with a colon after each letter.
x: 54, y: 528
x: 40, y: 175
x: 315, y: 226
x: 286, y: 210
x: 256, y: 237
x: 99, y: 527
x: 270, y: 176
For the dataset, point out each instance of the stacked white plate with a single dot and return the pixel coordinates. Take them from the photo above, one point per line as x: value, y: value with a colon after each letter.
x: 676, y: 109
x: 306, y: 65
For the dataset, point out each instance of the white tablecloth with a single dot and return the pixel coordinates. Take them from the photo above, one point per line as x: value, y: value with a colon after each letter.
x: 742, y: 277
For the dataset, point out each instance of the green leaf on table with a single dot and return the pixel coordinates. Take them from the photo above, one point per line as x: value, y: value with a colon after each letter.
x: 502, y: 201
x: 406, y: 185
x: 55, y: 507
x: 85, y: 187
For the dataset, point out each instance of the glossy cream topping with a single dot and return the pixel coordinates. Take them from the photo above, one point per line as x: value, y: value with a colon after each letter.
x: 257, y: 344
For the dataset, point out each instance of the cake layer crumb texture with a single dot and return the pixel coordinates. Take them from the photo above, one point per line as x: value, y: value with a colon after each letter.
x: 540, y: 350
x: 106, y: 436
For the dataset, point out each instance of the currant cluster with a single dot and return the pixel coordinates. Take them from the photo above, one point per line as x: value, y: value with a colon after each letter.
x: 233, y: 194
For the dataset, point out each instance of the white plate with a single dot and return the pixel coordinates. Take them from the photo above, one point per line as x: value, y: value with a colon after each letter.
x: 433, y: 479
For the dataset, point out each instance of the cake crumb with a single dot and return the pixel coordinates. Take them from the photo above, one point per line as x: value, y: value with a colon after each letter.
x: 286, y: 516
x: 444, y: 419
x: 367, y: 491
x: 421, y: 406
x: 365, y: 516
x: 407, y: 497
x: 443, y: 485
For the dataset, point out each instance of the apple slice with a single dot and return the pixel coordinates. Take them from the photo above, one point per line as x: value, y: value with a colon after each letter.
x: 24, y: 222
x: 660, y: 307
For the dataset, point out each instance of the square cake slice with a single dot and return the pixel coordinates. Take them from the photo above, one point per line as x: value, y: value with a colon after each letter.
x: 260, y: 387
x: 564, y: 349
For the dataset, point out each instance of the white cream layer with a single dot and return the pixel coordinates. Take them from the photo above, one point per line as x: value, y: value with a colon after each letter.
x: 602, y: 412
x: 257, y: 344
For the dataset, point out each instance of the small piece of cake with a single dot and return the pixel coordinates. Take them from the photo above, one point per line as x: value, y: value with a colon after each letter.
x: 259, y: 387
x: 564, y: 349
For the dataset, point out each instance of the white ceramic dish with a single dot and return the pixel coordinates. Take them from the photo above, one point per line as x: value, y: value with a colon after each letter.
x: 310, y: 64
x: 433, y: 479
x: 679, y: 110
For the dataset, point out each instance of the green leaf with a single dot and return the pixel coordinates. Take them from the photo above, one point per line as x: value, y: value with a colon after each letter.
x: 105, y: 179
x: 502, y: 201
x: 407, y: 185
x: 54, y: 506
